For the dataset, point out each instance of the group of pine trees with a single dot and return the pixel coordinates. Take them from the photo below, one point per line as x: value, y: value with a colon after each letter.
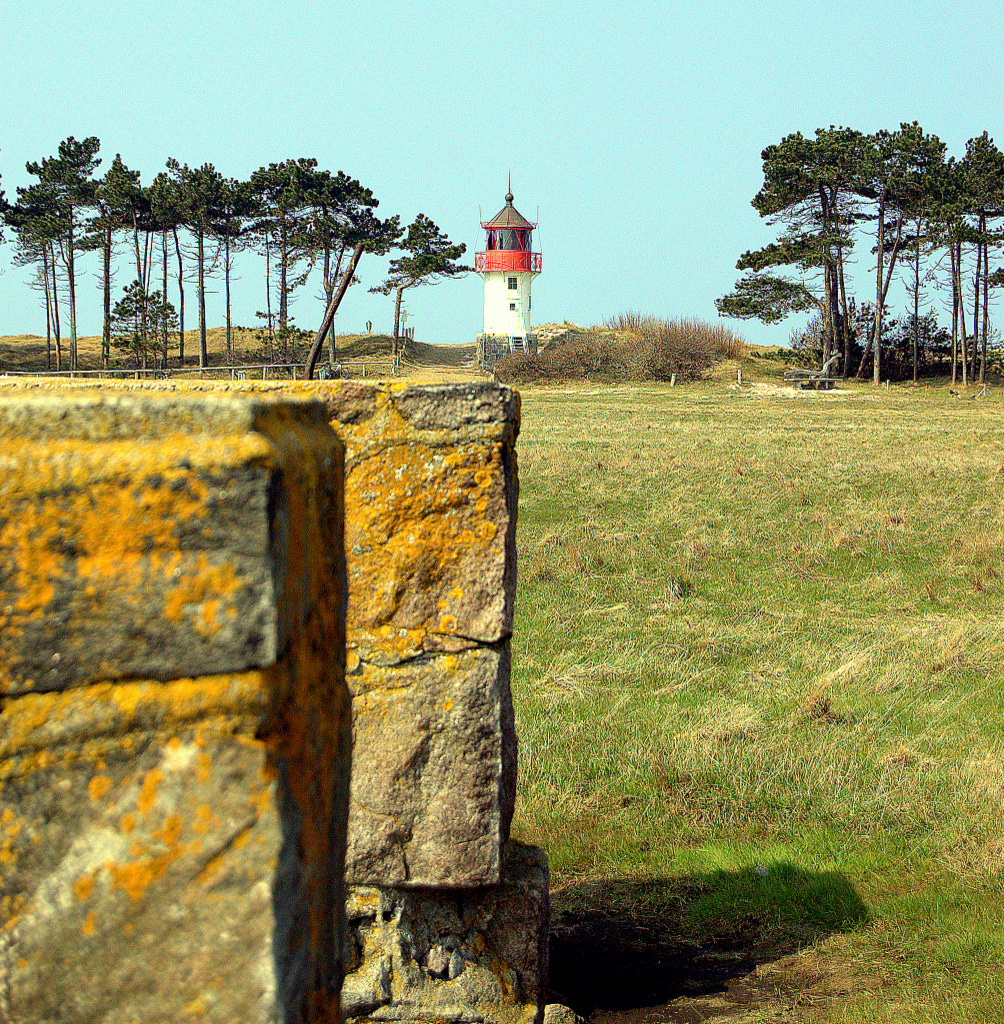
x: 933, y: 219
x: 188, y: 224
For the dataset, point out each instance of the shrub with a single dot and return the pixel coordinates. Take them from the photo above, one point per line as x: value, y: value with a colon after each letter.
x: 633, y: 348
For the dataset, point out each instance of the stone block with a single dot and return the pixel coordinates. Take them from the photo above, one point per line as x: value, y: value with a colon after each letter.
x: 174, y: 722
x: 431, y: 494
x: 466, y: 957
x: 434, y: 770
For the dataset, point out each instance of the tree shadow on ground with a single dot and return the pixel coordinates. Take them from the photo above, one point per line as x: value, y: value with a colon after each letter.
x: 620, y: 946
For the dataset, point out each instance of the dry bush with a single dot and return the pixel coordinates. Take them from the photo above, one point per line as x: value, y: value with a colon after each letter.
x: 588, y: 356
x: 634, y: 348
x: 629, y: 321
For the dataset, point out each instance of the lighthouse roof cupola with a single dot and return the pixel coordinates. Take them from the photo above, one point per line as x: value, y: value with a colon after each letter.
x: 508, y: 217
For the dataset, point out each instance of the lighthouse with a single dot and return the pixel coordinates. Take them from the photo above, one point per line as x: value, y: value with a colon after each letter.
x: 508, y: 265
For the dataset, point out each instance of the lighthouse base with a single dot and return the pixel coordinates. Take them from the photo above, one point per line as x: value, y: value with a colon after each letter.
x: 492, y: 347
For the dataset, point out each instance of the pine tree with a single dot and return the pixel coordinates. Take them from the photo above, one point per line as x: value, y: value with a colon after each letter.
x: 431, y: 258
x: 69, y: 176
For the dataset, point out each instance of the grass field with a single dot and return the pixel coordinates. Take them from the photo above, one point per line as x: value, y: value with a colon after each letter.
x: 757, y: 676
x: 757, y: 672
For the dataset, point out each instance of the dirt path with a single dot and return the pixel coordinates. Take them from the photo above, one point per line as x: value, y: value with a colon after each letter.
x: 440, y: 364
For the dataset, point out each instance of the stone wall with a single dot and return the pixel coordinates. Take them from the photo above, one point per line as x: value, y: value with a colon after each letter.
x: 447, y: 919
x: 172, y: 597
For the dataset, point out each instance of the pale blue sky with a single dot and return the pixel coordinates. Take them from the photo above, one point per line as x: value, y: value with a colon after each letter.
x: 636, y: 128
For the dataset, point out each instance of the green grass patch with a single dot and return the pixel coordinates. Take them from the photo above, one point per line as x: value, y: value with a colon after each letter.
x: 757, y: 655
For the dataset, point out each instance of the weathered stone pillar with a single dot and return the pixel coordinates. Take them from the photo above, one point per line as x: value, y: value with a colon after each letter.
x: 448, y: 920
x: 174, y: 722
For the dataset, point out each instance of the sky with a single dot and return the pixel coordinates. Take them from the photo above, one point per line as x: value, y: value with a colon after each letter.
x: 632, y: 131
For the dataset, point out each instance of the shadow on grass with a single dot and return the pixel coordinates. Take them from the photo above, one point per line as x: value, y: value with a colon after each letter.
x: 623, y: 945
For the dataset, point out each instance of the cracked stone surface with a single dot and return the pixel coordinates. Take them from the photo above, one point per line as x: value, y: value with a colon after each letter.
x: 433, y: 770
x: 431, y: 499
x: 478, y: 955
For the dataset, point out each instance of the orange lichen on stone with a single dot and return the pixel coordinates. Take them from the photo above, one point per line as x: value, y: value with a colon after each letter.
x: 83, y: 887
x: 135, y: 877
x: 205, y: 762
x: 411, y: 525
x: 204, y: 819
x: 99, y: 786
x: 88, y: 926
x: 148, y: 791
x: 127, y: 822
x: 170, y: 831
x: 39, y: 729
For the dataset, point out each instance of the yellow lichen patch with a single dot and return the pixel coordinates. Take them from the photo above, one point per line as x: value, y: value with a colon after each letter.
x: 99, y: 786
x: 174, y: 742
x: 204, y: 762
x: 411, y: 529
x: 195, y: 1008
x: 88, y: 926
x: 170, y: 831
x: 448, y: 624
x: 40, y: 729
x: 447, y: 704
x: 83, y: 886
x: 203, y: 594
x: 135, y: 877
x: 64, y: 493
x: 127, y: 822
x: 204, y: 819
x: 148, y: 791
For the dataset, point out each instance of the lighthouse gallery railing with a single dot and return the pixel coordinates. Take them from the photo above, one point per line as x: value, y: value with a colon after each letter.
x: 507, y: 259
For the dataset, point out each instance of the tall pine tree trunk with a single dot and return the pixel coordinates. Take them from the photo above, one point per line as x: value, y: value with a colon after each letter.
x: 845, y: 319
x: 329, y: 313
x: 986, y: 274
x: 55, y: 308
x: 226, y: 276
x: 163, y: 324
x: 203, y: 353
x: 397, y: 317
x: 960, y: 300
x: 73, y: 293
x: 283, y: 257
x: 268, y: 296
x: 181, y: 300
x: 106, y: 331
x: 955, y: 317
x: 329, y: 286
x: 48, y: 310
x: 877, y: 332
x: 916, y: 309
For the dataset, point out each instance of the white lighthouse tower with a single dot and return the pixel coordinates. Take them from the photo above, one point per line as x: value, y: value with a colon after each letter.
x: 508, y: 265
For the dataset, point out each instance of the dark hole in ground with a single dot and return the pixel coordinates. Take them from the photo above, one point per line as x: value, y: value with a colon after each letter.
x: 619, y: 948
